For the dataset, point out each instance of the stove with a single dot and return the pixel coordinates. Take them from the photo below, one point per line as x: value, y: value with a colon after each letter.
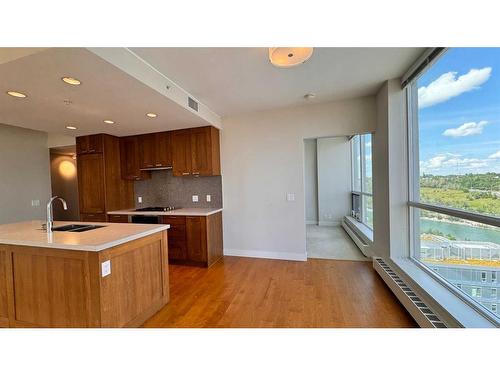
x: 159, y: 209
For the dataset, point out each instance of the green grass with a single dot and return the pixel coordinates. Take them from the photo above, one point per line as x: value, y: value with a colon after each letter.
x: 462, y: 199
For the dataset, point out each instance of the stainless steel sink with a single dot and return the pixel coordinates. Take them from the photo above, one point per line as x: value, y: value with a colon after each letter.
x: 76, y: 228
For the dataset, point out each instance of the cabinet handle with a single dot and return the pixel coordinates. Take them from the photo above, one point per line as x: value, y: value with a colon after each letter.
x: 149, y: 165
x: 185, y: 173
x: 158, y: 165
x: 91, y: 150
x: 196, y: 172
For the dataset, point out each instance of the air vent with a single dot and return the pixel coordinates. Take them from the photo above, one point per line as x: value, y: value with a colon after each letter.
x: 424, y: 316
x: 193, y: 104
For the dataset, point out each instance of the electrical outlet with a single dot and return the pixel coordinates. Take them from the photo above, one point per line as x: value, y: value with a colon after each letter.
x: 290, y: 197
x: 139, y: 199
x: 35, y: 203
x: 209, y: 198
x: 195, y: 198
x: 106, y: 268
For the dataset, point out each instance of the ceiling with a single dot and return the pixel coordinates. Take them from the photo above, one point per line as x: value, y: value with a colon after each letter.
x: 228, y: 80
x: 106, y: 92
x: 238, y: 80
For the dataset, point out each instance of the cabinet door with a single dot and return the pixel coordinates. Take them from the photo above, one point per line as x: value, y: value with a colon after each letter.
x: 89, y: 144
x: 147, y: 150
x: 163, y: 150
x: 201, y: 151
x: 196, y: 237
x: 177, y: 249
x: 181, y: 153
x: 129, y: 158
x: 91, y: 183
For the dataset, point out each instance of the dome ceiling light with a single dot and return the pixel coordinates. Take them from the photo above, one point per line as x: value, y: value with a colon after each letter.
x: 285, y: 57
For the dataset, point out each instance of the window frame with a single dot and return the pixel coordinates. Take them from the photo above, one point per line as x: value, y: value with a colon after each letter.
x: 362, y: 168
x: 414, y: 204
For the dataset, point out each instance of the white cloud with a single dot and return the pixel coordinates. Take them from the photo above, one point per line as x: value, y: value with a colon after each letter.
x: 496, y: 155
x: 448, y: 86
x: 444, y: 163
x: 469, y: 128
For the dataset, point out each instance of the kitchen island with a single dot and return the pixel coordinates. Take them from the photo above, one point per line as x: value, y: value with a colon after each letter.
x: 115, y: 275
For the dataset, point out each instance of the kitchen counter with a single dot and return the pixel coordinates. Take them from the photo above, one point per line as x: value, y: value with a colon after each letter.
x: 29, y: 233
x: 178, y: 212
x: 115, y: 276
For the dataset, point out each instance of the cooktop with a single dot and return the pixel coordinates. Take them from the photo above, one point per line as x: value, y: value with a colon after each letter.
x: 164, y: 209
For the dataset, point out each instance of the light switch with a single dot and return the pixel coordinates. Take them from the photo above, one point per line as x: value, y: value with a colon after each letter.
x: 106, y: 268
x: 290, y: 197
x: 209, y: 198
x: 139, y: 199
x: 195, y: 198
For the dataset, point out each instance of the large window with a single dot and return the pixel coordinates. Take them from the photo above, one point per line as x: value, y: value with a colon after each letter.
x: 362, y: 199
x: 454, y: 118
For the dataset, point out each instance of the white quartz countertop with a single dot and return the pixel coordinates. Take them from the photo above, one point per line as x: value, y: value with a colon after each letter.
x: 178, y: 212
x: 29, y: 233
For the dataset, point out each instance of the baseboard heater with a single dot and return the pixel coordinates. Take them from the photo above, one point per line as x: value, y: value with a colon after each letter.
x: 357, y: 239
x: 418, y: 309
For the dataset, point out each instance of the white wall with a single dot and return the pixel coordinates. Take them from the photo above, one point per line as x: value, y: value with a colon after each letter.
x: 311, y: 180
x: 334, y: 180
x: 390, y: 176
x: 24, y: 174
x: 263, y: 159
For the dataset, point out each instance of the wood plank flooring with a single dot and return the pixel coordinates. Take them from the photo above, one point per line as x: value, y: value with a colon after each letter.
x: 246, y: 292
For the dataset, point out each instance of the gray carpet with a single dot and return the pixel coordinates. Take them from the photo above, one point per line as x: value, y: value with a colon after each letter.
x: 331, y: 243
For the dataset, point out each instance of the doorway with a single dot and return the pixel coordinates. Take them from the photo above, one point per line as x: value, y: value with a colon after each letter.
x: 327, y: 181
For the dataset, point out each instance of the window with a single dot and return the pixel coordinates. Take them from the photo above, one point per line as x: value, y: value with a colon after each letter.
x: 493, y: 293
x: 362, y: 198
x: 476, y: 292
x: 454, y: 155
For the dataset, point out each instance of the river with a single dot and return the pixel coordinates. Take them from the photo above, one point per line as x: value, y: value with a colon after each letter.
x: 460, y: 231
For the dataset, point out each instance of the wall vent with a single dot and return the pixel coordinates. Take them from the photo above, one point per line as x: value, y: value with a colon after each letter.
x: 422, y: 314
x: 193, y: 104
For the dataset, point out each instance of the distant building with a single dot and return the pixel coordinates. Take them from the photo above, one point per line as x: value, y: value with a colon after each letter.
x: 471, y: 266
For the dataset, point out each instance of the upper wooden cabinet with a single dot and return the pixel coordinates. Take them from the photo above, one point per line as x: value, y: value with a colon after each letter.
x: 89, y: 144
x: 155, y: 150
x: 196, y: 152
x: 100, y: 186
x: 130, y: 159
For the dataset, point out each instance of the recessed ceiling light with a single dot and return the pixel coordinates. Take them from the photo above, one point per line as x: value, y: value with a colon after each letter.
x: 16, y: 94
x: 109, y: 121
x: 71, y: 127
x: 71, y: 81
x: 309, y: 96
x: 285, y: 57
x: 152, y: 115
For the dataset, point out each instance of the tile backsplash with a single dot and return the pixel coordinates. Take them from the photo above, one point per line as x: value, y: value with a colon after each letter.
x: 163, y: 189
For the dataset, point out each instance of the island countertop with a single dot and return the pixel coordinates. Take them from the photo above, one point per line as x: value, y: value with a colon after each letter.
x: 177, y: 212
x: 29, y: 233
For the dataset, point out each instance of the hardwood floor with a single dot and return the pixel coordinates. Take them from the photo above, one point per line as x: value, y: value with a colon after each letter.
x: 246, y: 292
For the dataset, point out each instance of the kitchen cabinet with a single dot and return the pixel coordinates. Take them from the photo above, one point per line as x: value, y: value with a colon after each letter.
x: 196, y: 152
x: 89, y: 144
x: 181, y: 153
x: 100, y: 186
x: 195, y: 240
x: 90, y: 169
x: 155, y: 150
x: 130, y: 160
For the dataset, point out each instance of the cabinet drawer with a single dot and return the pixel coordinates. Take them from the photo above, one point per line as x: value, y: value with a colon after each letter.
x: 174, y: 220
x: 118, y: 218
x: 93, y: 217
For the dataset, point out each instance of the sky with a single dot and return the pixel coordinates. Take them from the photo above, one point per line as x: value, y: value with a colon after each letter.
x: 459, y: 113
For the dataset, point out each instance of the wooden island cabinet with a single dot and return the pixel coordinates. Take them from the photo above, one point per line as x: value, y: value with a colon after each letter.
x: 114, y: 277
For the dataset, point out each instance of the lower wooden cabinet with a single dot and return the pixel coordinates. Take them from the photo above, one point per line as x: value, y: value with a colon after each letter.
x: 194, y: 240
x: 118, y: 218
x: 93, y: 217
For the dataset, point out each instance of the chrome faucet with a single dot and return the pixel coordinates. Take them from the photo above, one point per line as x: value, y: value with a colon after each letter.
x: 50, y: 215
